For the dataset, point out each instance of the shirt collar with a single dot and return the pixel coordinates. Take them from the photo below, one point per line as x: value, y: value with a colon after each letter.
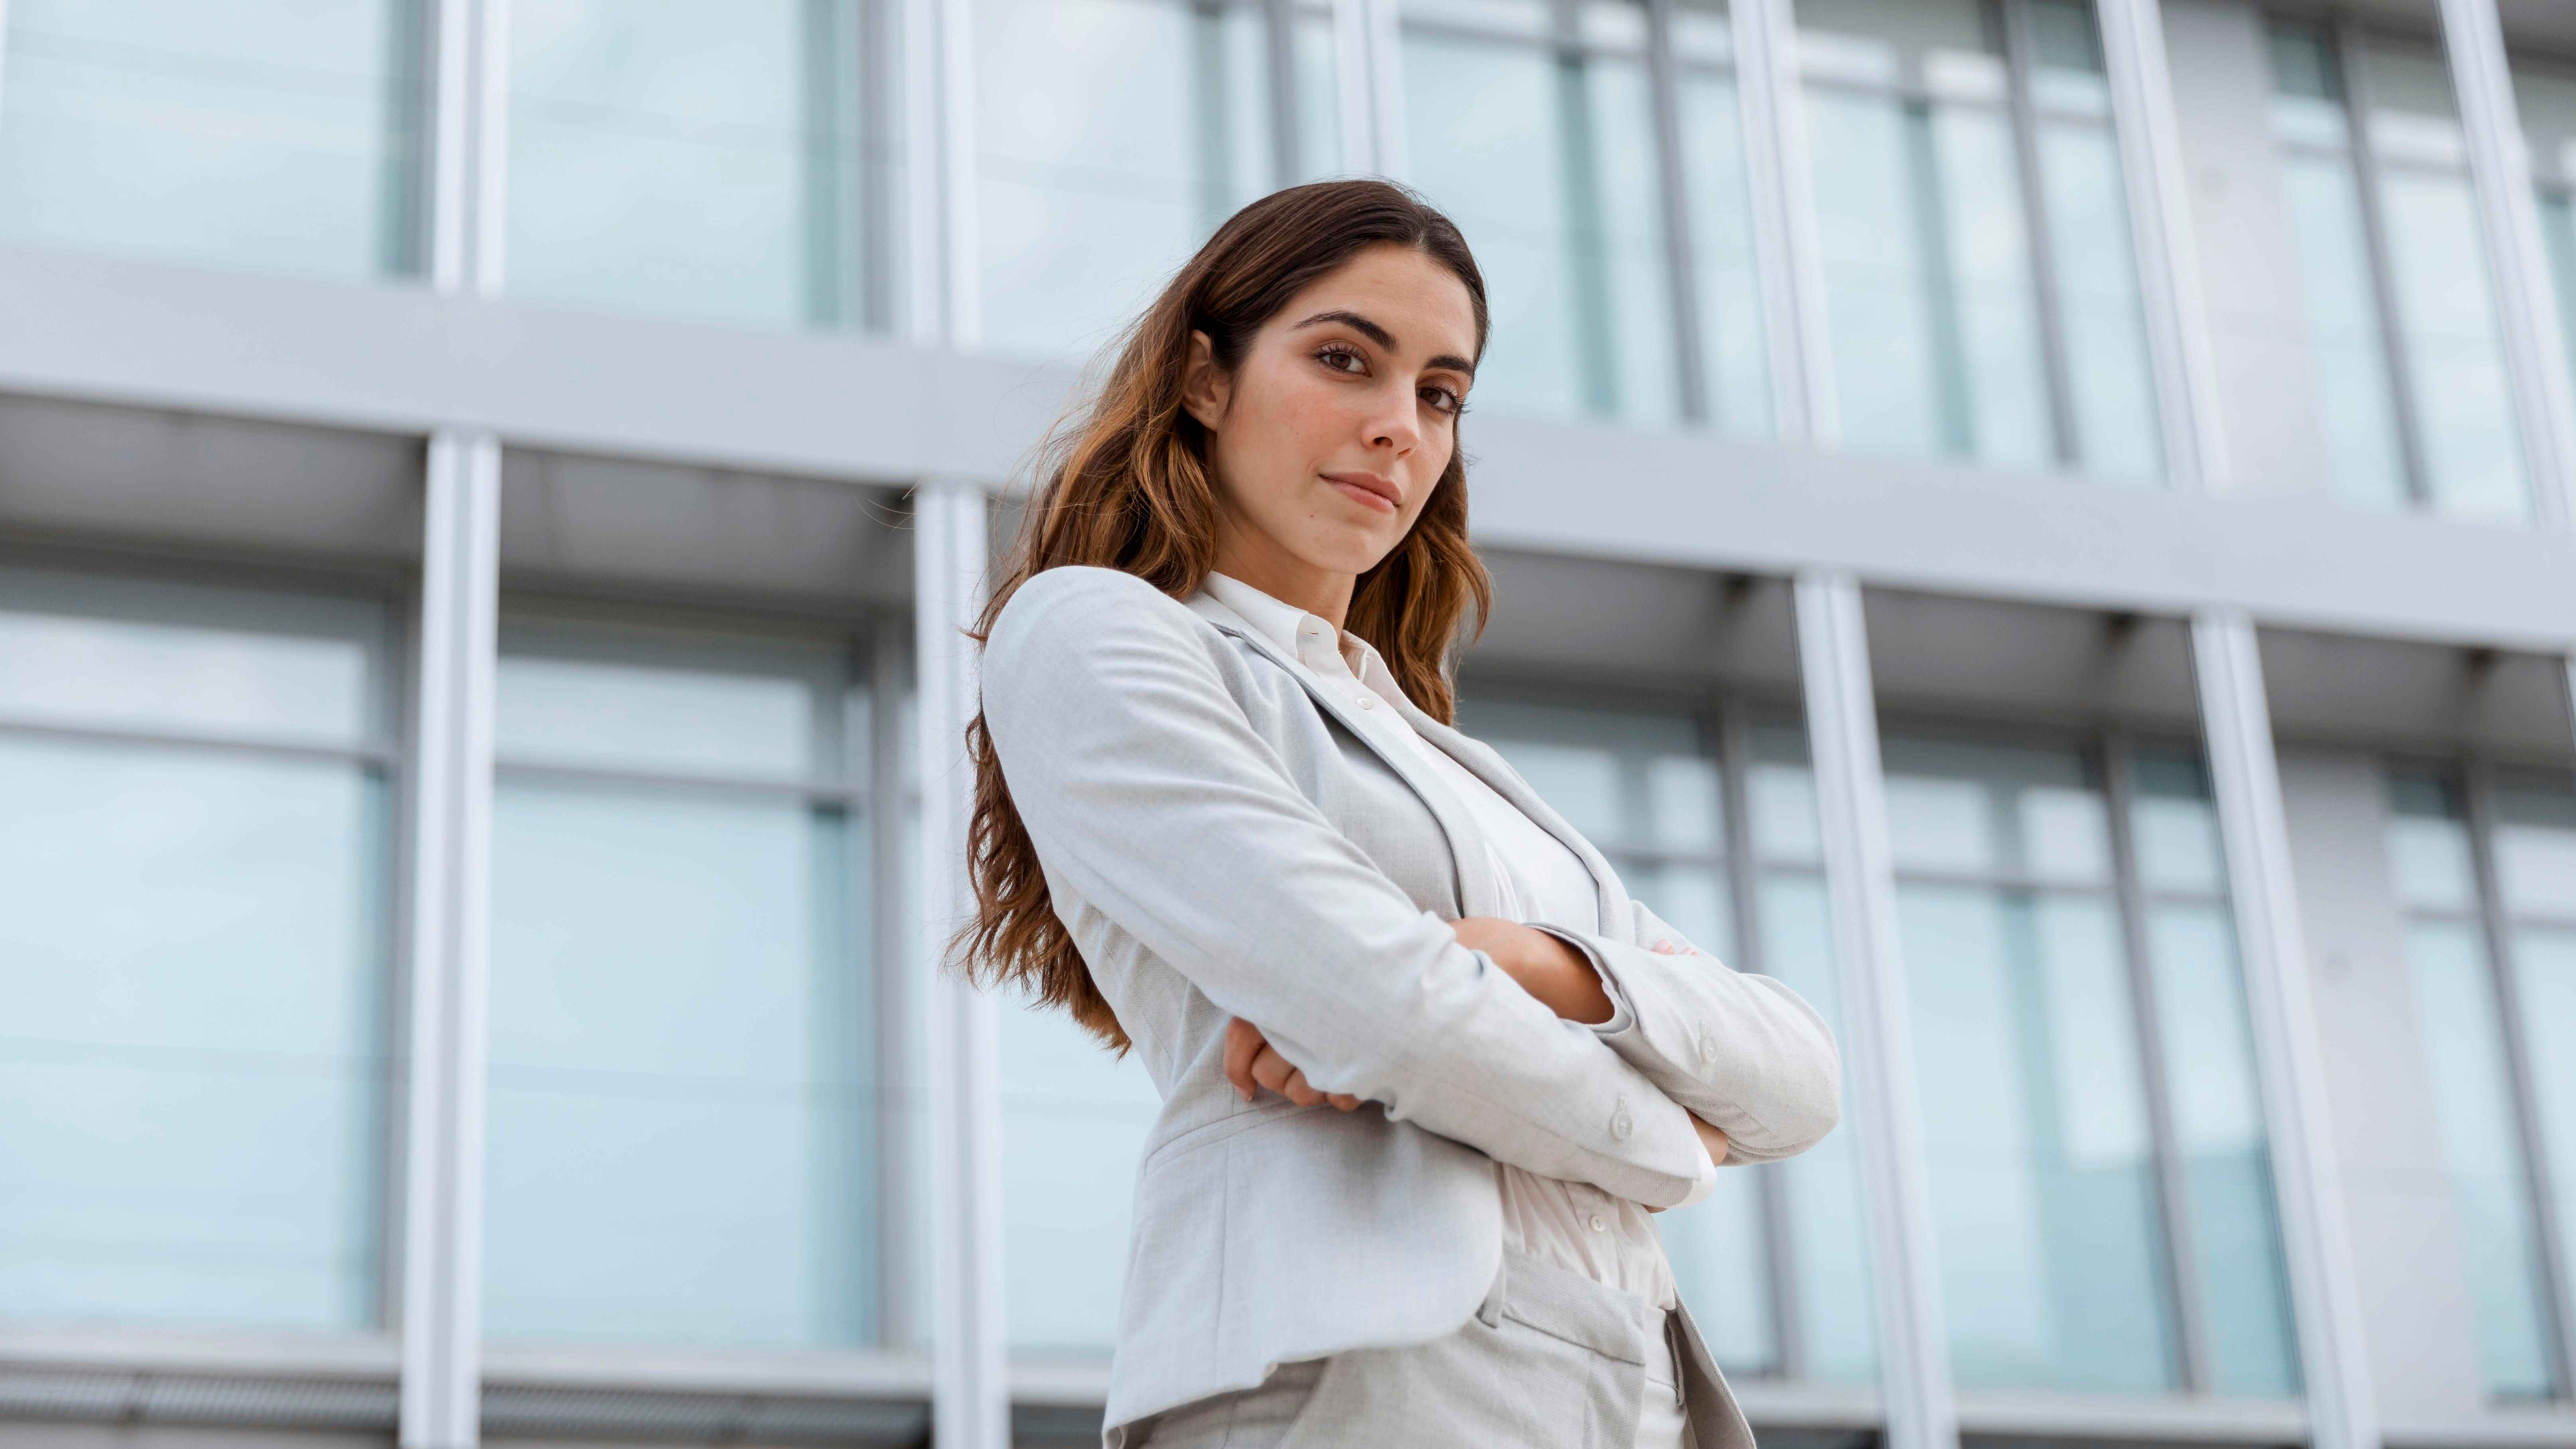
x: 1307, y: 637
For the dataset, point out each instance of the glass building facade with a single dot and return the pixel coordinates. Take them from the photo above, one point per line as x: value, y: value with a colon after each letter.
x: 2043, y: 524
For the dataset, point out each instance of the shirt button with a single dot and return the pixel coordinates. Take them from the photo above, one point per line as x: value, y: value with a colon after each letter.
x: 1597, y: 1224
x: 1367, y: 703
x: 1621, y: 1124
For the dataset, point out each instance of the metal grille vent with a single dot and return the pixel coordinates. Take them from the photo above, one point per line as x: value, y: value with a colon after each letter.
x: 31, y: 1393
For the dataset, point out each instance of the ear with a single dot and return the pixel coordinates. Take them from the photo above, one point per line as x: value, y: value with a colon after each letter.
x: 1205, y: 387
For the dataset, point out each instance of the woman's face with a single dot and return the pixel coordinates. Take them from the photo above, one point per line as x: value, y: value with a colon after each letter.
x: 1329, y: 436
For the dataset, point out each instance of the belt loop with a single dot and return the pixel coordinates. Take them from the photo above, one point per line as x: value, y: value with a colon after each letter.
x: 1490, y: 1312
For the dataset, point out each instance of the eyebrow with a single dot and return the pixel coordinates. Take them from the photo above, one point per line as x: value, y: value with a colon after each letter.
x: 1386, y: 339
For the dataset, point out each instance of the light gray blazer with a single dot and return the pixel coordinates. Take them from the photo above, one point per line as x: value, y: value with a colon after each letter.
x: 1220, y: 839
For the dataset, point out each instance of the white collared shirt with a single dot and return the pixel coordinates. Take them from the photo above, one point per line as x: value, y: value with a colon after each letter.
x: 1540, y: 881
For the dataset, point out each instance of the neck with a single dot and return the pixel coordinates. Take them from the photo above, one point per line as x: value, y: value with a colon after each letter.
x: 1325, y: 593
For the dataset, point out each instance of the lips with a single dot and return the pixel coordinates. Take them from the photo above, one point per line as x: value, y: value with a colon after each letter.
x: 1369, y: 490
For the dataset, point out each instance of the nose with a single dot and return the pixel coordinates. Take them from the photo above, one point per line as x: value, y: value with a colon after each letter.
x: 1392, y: 421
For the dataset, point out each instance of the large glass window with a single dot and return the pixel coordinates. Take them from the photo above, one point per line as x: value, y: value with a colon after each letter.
x: 267, y: 134
x: 1710, y: 820
x: 2546, y: 94
x: 2099, y: 1170
x: 699, y: 156
x: 2484, y: 864
x: 1980, y: 277
x: 194, y: 866
x: 1592, y: 151
x: 1113, y: 137
x: 2413, y: 402
x: 682, y: 1134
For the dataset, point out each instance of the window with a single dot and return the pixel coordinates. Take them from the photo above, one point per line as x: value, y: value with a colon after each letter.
x: 1114, y: 135
x: 2484, y: 864
x: 1593, y: 153
x: 707, y: 157
x: 2100, y: 1180
x: 1711, y: 821
x: 682, y: 1145
x: 194, y: 949
x: 1980, y: 280
x: 2546, y: 94
x: 2412, y: 398
x: 269, y: 134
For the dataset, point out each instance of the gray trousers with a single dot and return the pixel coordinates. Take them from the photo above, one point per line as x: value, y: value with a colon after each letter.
x: 1551, y: 1359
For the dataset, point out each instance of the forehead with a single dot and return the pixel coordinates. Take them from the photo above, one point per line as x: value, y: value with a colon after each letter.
x: 1411, y: 295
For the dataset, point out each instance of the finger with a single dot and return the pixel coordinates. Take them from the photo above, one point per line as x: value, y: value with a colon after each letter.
x: 1299, y: 1091
x: 1345, y: 1101
x: 1271, y: 1070
x: 1243, y: 1041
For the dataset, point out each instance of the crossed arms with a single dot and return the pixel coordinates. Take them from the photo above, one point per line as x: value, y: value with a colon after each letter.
x: 1146, y: 788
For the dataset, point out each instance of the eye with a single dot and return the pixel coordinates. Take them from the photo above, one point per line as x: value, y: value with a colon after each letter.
x: 1444, y: 399
x: 1336, y: 354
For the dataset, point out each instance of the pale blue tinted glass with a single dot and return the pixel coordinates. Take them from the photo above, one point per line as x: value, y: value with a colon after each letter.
x: 2456, y: 1018
x: 2535, y: 844
x: 1546, y: 161
x: 682, y: 1103
x: 1628, y: 779
x: 148, y: 655
x: 275, y: 135
x: 2356, y: 397
x: 1964, y: 806
x: 2455, y: 350
x: 2544, y: 964
x: 2110, y: 381
x: 2035, y: 1129
x: 2428, y: 843
x: 193, y: 1075
x: 2172, y: 823
x: 1074, y: 1120
x: 2218, y: 1128
x: 678, y: 703
x: 699, y: 157
x: 1930, y: 287
x: 1780, y: 794
x: 1113, y: 136
x: 1827, y: 1248
x: 2558, y: 237
x: 1732, y: 345
x: 1721, y: 1264
x: 2547, y: 97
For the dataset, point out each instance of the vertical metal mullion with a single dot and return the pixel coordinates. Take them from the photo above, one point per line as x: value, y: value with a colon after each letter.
x: 1787, y: 251
x: 2325, y: 1291
x: 2558, y: 1293
x: 2019, y: 58
x: 2173, y: 1197
x: 969, y: 1363
x: 1369, y: 74
x: 1744, y: 882
x: 943, y: 294
x: 1287, y: 139
x: 1860, y: 879
x: 1663, y: 83
x: 2500, y: 173
x: 469, y: 146
x: 2160, y: 221
x: 903, y: 1304
x: 450, y: 948
x: 2352, y: 69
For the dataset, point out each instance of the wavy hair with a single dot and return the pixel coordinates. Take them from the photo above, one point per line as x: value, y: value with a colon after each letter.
x: 1123, y: 482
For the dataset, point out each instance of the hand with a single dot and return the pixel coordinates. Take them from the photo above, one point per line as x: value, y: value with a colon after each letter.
x: 1249, y: 1060
x: 1713, y: 1139
x: 1544, y: 965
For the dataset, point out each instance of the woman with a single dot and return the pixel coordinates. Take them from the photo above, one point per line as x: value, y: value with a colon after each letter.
x: 1425, y: 1066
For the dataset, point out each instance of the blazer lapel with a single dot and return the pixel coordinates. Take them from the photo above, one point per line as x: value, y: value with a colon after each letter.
x: 1475, y: 889
x: 1488, y: 765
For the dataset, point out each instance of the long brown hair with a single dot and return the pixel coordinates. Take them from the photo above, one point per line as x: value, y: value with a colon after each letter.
x: 1123, y: 483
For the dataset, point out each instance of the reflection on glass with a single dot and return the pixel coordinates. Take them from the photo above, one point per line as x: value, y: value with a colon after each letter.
x: 1943, y: 318
x: 695, y: 157
x: 2547, y: 97
x: 2427, y: 258
x: 1718, y: 192
x: 266, y: 134
x: 1545, y: 157
x: 682, y: 1142
x: 193, y: 1069
x: 1144, y: 121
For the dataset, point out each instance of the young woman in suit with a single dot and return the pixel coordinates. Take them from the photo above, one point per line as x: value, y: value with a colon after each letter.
x: 1426, y: 1067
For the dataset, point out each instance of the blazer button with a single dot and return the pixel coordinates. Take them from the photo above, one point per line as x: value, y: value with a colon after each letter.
x: 1707, y: 1047
x: 1621, y: 1124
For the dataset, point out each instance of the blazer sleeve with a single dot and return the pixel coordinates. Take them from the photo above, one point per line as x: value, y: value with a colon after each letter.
x: 1741, y: 1051
x: 1143, y: 784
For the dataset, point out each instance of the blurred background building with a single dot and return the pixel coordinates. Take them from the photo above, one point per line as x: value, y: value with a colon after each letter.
x: 2070, y: 500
